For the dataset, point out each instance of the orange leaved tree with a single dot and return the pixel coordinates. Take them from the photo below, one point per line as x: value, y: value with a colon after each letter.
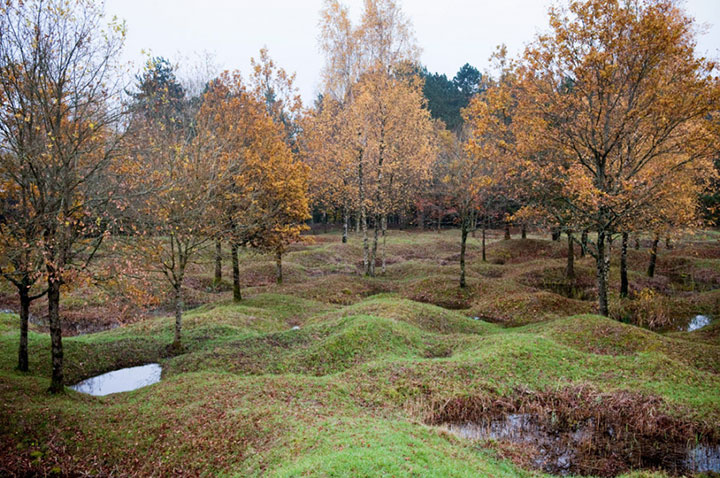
x: 619, y: 95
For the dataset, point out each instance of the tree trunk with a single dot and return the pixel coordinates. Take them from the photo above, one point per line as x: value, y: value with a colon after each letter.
x: 278, y: 266
x: 345, y: 225
x: 325, y: 222
x: 373, y: 251
x: 653, y: 256
x: 507, y: 231
x: 484, y: 229
x: 463, y: 240
x: 637, y: 243
x: 583, y: 243
x: 523, y: 231
x: 363, y: 215
x: 570, y: 270
x: 623, y: 266
x: 366, y: 244
x: 384, y: 241
x: 23, y: 362
x: 177, y: 343
x: 602, y: 266
x: 237, y: 297
x: 218, y: 263
x: 56, y: 347
x: 473, y: 227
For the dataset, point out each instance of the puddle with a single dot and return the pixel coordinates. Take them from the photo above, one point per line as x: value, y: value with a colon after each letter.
x: 560, y: 451
x: 698, y: 322
x: 550, y: 454
x: 122, y: 380
x: 704, y: 458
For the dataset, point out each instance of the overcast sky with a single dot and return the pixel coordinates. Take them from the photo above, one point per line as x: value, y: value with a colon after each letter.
x: 450, y: 32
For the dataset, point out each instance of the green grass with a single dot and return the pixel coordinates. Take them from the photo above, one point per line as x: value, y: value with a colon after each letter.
x: 349, y: 393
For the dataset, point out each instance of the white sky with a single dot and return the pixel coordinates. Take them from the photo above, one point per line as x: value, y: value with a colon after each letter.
x: 450, y: 32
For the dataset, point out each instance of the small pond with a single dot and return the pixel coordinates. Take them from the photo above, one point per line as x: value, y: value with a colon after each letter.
x: 122, y: 380
x: 561, y: 453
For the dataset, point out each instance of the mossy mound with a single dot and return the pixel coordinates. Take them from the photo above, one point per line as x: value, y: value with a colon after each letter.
x: 601, y: 335
x: 427, y: 317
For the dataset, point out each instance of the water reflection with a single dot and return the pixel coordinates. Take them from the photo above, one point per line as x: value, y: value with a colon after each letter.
x: 704, y: 458
x: 122, y: 380
x: 553, y: 456
x: 557, y: 451
x: 698, y: 322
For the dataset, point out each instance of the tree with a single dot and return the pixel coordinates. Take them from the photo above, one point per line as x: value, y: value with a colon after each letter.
x: 711, y: 197
x: 385, y: 36
x: 343, y: 56
x: 284, y: 204
x: 444, y: 99
x: 21, y: 260
x: 159, y: 94
x: 490, y: 117
x: 276, y: 218
x: 617, y: 91
x: 328, y: 152
x: 57, y: 74
x: 468, y: 81
x: 467, y: 176
x: 487, y: 173
x: 277, y: 89
x: 396, y: 132
x: 366, y: 71
x: 174, y: 172
x: 260, y: 198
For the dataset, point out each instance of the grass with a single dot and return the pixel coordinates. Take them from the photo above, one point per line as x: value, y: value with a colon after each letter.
x: 352, y: 391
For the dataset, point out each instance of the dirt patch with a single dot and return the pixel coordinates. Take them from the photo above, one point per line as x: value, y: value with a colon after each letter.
x: 579, y: 430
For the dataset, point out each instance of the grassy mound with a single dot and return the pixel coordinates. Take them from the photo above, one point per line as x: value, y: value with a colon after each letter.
x: 427, y: 317
x: 604, y: 336
x: 326, y: 347
x: 356, y: 390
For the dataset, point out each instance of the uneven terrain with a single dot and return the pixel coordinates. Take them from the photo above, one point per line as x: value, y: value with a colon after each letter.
x: 336, y: 374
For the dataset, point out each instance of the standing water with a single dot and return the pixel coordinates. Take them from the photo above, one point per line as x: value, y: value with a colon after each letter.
x: 559, y: 451
x: 122, y: 380
x: 698, y: 322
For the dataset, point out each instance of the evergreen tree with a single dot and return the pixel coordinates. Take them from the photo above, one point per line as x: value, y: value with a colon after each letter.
x: 444, y: 99
x: 467, y: 81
